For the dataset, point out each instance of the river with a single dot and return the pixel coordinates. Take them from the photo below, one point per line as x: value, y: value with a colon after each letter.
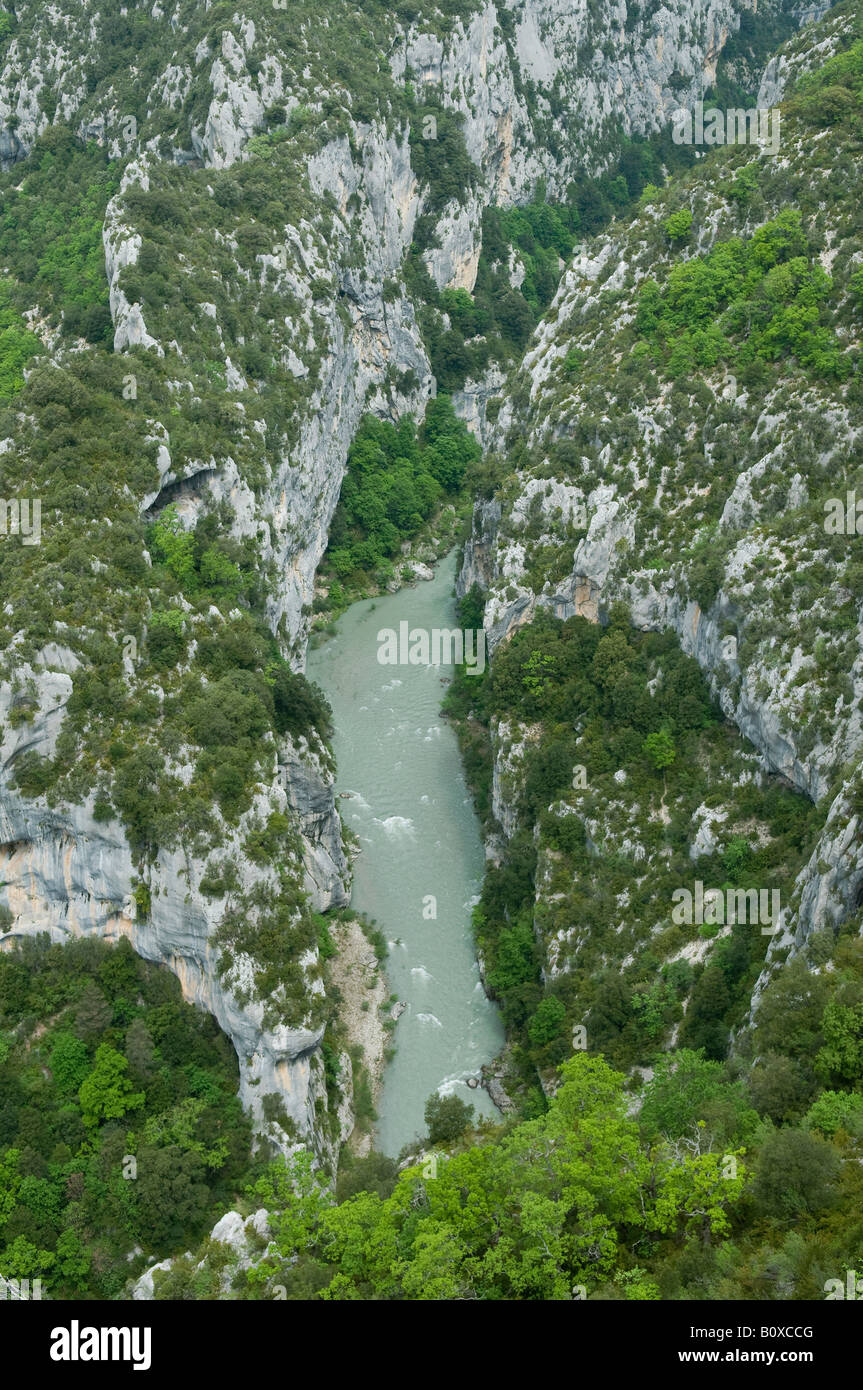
x: 422, y: 853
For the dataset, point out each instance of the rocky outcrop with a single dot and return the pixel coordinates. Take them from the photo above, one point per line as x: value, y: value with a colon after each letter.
x: 122, y: 246
x: 509, y: 744
x: 828, y: 890
x: 783, y: 69
x: 244, y: 1240
x: 472, y: 402
x: 606, y: 69
x: 68, y: 874
x: 478, y: 558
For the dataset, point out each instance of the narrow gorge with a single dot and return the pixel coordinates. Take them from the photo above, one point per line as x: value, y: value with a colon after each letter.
x: 325, y: 320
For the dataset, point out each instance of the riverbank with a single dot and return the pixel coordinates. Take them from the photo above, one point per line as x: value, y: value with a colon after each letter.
x: 364, y: 994
x: 417, y: 562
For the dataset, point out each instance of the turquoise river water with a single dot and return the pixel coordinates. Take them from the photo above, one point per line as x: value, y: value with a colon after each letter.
x: 412, y: 811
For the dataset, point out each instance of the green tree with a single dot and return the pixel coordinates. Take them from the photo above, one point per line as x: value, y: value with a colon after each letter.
x: 69, y: 1062
x: 778, y: 1087
x: 182, y: 1127
x: 93, y: 1013
x: 547, y: 1023
x: 638, y: 1286
x: 73, y: 1260
x: 10, y: 1181
x: 170, y: 1196
x: 17, y: 347
x: 447, y: 1118
x: 175, y: 547
x: 297, y: 1196
x: 23, y: 1260
x: 678, y: 225
x: 612, y: 659
x: 697, y: 1194
x: 107, y: 1094
x: 433, y: 1270
x: 841, y: 1057
x: 660, y: 749
x: 795, y: 1174
x: 537, y: 671
x: 790, y: 1013
x: 835, y: 1110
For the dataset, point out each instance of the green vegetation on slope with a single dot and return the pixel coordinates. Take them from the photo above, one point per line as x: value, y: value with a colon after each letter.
x: 51, y: 252
x: 629, y: 1208
x: 396, y: 477
x: 623, y: 745
x: 493, y: 323
x: 51, y: 233
x: 84, y: 450
x: 119, y: 1122
x: 695, y: 1197
x: 744, y: 302
x: 183, y: 695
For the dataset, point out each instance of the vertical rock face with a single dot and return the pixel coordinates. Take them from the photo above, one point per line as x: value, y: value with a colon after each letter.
x: 375, y: 336
x: 541, y: 92
x: 478, y: 559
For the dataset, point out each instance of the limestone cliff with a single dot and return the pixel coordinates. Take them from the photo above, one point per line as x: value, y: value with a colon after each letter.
x: 697, y: 495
